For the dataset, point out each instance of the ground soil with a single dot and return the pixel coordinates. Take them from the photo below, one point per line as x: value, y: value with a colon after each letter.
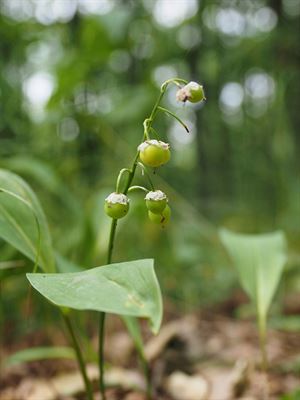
x: 219, y: 353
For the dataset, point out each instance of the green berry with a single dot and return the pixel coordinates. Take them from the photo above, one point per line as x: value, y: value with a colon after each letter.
x: 192, y: 92
x: 196, y: 92
x: 162, y: 218
x: 156, y: 201
x: 116, y: 205
x: 154, y: 153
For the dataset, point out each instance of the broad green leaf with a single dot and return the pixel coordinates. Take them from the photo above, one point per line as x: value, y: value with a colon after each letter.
x: 22, y: 221
x: 40, y: 353
x: 128, y: 288
x: 259, y: 260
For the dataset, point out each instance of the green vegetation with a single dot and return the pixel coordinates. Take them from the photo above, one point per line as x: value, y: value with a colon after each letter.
x: 77, y: 80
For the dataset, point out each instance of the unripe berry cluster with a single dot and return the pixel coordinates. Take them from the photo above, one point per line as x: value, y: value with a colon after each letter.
x: 152, y: 153
x: 116, y: 206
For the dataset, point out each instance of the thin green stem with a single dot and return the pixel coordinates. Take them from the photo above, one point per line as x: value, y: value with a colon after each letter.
x: 176, y: 81
x: 147, y: 374
x: 154, y: 110
x: 147, y: 127
x: 121, y: 173
x: 112, y: 234
x: 155, y: 133
x: 111, y: 242
x: 101, y: 355
x: 163, y: 89
x: 262, y: 329
x: 102, y: 315
x: 132, y: 173
x: 79, y: 357
x: 145, y: 171
x: 133, y: 188
x: 168, y: 112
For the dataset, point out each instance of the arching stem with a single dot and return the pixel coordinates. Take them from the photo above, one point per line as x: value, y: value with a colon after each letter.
x: 145, y: 171
x: 119, y: 179
x: 133, y: 188
x: 168, y: 112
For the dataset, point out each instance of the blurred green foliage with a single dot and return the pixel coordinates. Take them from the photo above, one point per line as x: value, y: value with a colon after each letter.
x: 77, y: 79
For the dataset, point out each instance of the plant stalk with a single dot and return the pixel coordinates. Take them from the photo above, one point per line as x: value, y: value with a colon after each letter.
x: 102, y: 315
x: 262, y: 330
x: 101, y: 355
x: 121, y: 173
x: 81, y: 363
x: 147, y: 375
x: 111, y: 242
x: 131, y: 172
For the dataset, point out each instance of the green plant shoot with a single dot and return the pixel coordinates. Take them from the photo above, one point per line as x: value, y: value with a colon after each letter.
x: 259, y: 260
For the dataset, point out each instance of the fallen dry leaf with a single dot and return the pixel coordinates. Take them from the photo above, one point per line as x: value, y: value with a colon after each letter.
x: 185, y: 329
x: 185, y: 387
